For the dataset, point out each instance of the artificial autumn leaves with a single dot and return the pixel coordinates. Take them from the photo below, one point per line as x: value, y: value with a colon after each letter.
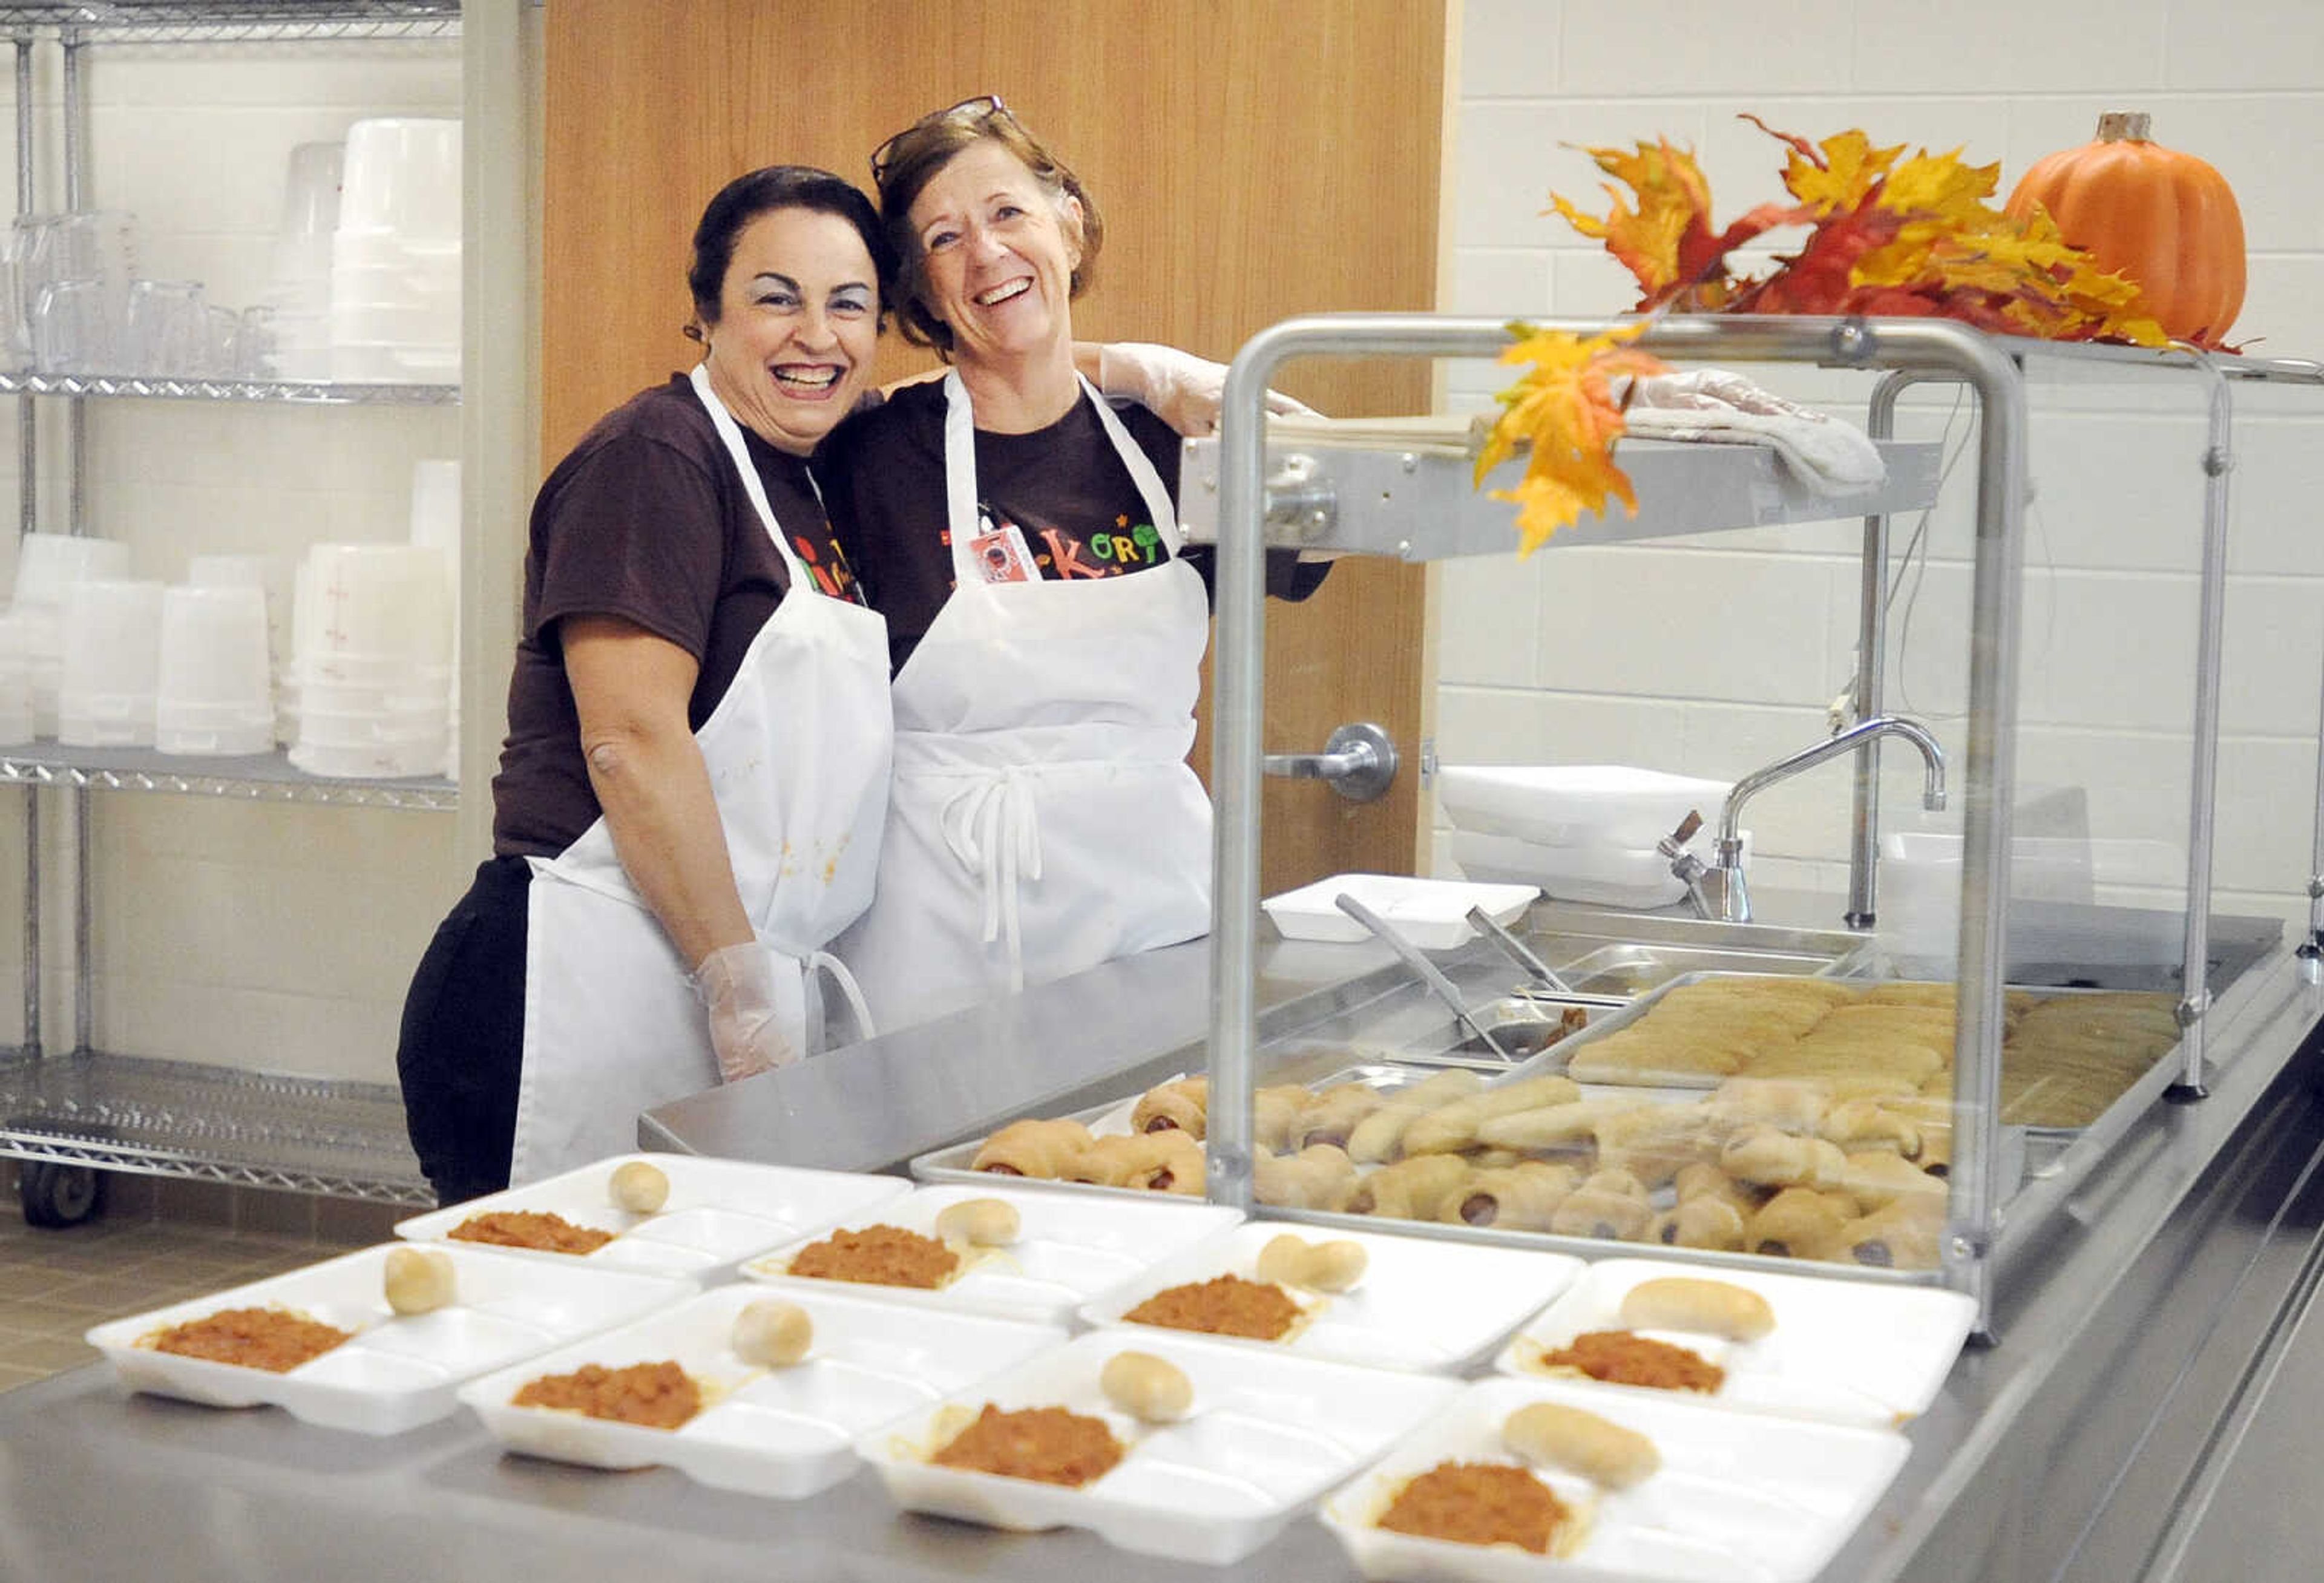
x: 1887, y: 235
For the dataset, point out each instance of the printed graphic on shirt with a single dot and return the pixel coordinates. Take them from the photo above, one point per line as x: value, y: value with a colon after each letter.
x: 1124, y: 546
x: 826, y: 563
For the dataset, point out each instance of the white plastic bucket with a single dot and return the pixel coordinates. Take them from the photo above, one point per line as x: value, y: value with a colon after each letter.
x: 213, y: 647
x: 111, y: 674
x: 375, y: 602
x: 47, y: 563
x: 402, y: 175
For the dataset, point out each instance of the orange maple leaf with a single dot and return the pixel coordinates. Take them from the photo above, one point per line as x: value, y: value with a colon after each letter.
x: 1564, y: 410
x: 1667, y: 241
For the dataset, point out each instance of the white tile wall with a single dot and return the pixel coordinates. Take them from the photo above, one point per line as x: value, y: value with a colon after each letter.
x: 1714, y: 656
x: 277, y: 938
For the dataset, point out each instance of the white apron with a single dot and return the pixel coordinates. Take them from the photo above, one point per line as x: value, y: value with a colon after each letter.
x: 1043, y: 817
x: 798, y: 753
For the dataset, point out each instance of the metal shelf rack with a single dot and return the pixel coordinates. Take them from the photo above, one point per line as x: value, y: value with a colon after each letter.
x: 262, y: 778
x: 210, y: 1123
x: 310, y: 392
x: 178, y: 22
x: 65, y: 1113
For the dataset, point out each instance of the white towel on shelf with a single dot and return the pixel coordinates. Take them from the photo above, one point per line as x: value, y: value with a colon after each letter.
x: 1720, y: 406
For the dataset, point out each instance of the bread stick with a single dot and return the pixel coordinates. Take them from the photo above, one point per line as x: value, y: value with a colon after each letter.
x: 1554, y: 1435
x: 1685, y: 1303
x: 1454, y: 1126
x: 1378, y: 1136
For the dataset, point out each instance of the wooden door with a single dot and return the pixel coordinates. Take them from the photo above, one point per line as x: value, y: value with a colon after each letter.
x: 1253, y: 161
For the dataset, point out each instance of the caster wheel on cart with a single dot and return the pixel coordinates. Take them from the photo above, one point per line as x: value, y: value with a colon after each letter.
x: 57, y: 1194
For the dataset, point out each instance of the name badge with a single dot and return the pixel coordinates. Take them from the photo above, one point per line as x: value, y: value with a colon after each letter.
x: 1000, y: 553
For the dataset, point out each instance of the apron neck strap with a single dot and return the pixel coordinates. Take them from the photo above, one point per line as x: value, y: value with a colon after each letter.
x: 731, y: 433
x: 960, y: 475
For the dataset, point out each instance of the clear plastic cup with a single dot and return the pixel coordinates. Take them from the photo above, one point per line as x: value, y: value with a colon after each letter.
x: 169, y: 329
x: 75, y: 328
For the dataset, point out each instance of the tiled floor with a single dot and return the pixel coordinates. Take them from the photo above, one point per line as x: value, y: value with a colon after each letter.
x: 54, y: 1284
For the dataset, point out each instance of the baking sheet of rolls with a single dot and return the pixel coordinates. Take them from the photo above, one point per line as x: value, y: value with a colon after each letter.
x: 1729, y: 1496
x: 784, y: 1431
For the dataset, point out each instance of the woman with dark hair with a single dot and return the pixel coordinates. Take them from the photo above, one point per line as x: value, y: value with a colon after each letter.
x: 690, y: 795
x: 1046, y: 623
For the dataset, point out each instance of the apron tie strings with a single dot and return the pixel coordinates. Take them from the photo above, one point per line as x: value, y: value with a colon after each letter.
x: 995, y: 832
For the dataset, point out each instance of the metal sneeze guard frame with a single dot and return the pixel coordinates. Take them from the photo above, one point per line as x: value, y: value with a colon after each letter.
x: 1935, y: 347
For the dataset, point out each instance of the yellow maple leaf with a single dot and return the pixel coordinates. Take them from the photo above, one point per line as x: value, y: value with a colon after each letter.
x: 1673, y: 207
x: 1942, y: 187
x: 1851, y: 169
x: 1564, y: 410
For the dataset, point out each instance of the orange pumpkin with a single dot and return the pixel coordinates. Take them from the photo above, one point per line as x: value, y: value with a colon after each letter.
x: 2165, y: 219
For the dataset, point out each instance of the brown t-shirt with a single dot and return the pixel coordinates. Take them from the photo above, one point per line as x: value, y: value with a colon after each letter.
x: 646, y: 519
x: 1064, y: 487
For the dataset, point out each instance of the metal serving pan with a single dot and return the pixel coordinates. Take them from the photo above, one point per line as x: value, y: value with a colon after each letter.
x: 1627, y: 971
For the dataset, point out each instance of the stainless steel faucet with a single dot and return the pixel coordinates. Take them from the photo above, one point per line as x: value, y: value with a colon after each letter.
x: 1734, y: 900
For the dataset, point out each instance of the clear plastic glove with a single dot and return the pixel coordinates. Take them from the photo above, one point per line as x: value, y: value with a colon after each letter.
x: 1718, y: 404
x: 1182, y: 390
x: 736, y: 985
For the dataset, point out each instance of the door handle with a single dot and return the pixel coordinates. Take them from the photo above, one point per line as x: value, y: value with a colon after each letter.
x: 1360, y: 761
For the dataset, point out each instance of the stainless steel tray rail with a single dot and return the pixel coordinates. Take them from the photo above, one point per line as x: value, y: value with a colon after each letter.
x: 1933, y: 348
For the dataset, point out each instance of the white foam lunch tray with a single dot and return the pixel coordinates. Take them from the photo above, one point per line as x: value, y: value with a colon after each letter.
x: 719, y: 1211
x: 1575, y: 805
x: 1071, y: 1246
x: 1433, y: 914
x: 779, y: 1433
x: 397, y: 1372
x: 1266, y: 1436
x: 1737, y: 1499
x: 1851, y: 1352
x: 1422, y: 1304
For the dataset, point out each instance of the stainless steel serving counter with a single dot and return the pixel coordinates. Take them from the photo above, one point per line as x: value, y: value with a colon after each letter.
x: 2145, y: 1415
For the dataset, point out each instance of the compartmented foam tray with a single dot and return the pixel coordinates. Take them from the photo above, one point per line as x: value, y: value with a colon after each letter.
x: 1431, y: 914
x: 718, y: 1214
x: 1070, y: 1247
x: 782, y: 1432
x: 1853, y: 1352
x: 1264, y: 1438
x: 1422, y: 1304
x: 398, y: 1371
x: 1736, y: 1499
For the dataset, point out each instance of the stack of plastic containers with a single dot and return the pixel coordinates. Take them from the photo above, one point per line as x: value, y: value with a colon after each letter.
x: 298, y: 300
x: 109, y: 677
x: 217, y: 692
x: 48, y: 565
x: 16, y: 679
x: 373, y: 660
x: 396, y: 259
